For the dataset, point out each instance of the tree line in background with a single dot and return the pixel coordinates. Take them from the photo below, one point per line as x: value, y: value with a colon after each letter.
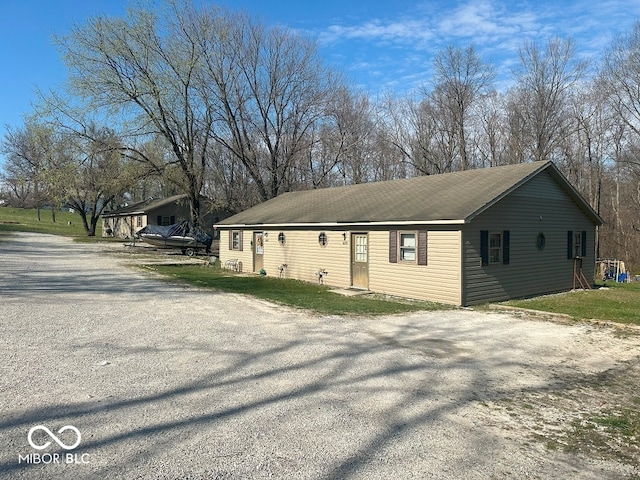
x: 184, y: 98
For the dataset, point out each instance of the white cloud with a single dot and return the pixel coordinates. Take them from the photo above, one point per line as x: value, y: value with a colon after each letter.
x: 377, y: 31
x: 473, y: 21
x: 395, y: 48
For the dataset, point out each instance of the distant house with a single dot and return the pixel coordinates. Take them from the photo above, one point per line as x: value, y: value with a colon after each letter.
x: 125, y: 221
x: 461, y: 238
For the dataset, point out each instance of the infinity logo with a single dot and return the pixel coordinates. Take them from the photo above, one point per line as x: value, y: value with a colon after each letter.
x: 57, y: 440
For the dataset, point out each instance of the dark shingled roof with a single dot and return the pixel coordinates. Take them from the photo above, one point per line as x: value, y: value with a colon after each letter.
x: 450, y: 197
x: 144, y: 206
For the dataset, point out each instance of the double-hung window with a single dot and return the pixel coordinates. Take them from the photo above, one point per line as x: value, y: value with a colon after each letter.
x: 236, y: 240
x: 495, y: 248
x: 407, y: 246
x: 576, y: 244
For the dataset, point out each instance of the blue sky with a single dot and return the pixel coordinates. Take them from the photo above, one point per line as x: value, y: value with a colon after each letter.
x: 380, y: 45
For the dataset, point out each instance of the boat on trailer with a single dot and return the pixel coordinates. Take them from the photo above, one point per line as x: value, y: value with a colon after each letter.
x: 181, y: 235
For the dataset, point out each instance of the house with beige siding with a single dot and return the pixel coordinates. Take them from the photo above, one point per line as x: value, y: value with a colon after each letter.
x: 125, y: 221
x: 460, y: 238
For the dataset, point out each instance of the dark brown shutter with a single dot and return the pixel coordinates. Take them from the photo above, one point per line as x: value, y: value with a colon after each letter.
x: 505, y: 246
x: 570, y: 245
x: 422, y: 247
x: 230, y: 239
x: 240, y: 248
x: 393, y: 246
x: 484, y: 247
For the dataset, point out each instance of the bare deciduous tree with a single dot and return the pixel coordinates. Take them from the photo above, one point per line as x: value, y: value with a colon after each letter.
x: 543, y: 86
x: 460, y: 77
x: 144, y: 70
x: 269, y: 92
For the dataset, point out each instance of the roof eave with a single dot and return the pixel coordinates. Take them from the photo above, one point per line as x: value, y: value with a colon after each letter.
x: 342, y: 225
x: 122, y: 214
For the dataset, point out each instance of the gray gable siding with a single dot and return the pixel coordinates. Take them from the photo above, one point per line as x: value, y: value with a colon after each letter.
x: 530, y: 271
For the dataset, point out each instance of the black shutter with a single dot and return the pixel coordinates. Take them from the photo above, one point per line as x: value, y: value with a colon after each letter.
x: 584, y: 244
x: 505, y: 247
x: 230, y: 239
x: 570, y: 245
x: 240, y: 247
x: 159, y: 220
x: 422, y: 247
x: 172, y: 220
x: 484, y: 247
x: 393, y: 246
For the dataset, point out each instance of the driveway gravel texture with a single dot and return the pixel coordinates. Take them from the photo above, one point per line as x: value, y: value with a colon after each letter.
x: 163, y: 380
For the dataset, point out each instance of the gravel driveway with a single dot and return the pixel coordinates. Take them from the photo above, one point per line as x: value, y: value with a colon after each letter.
x: 168, y: 381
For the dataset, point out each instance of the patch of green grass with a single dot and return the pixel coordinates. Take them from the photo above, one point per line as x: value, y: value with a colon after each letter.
x: 290, y: 292
x: 626, y: 423
x: 26, y: 220
x: 618, y: 302
x: 608, y: 434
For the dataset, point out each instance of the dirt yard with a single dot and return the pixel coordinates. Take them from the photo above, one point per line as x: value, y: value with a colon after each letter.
x: 168, y: 381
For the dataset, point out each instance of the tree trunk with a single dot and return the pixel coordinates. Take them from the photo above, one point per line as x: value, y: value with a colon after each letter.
x: 93, y: 225
x: 194, y: 208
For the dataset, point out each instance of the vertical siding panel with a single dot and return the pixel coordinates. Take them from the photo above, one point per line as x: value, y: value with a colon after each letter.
x: 422, y: 247
x: 484, y: 247
x: 393, y: 246
x: 506, y: 240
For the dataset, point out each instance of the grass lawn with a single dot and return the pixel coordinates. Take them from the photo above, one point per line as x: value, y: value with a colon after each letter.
x: 290, y: 292
x: 26, y: 220
x: 616, y: 302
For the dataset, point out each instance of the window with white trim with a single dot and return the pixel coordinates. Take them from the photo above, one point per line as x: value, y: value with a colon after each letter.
x: 407, y: 246
x: 235, y: 240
